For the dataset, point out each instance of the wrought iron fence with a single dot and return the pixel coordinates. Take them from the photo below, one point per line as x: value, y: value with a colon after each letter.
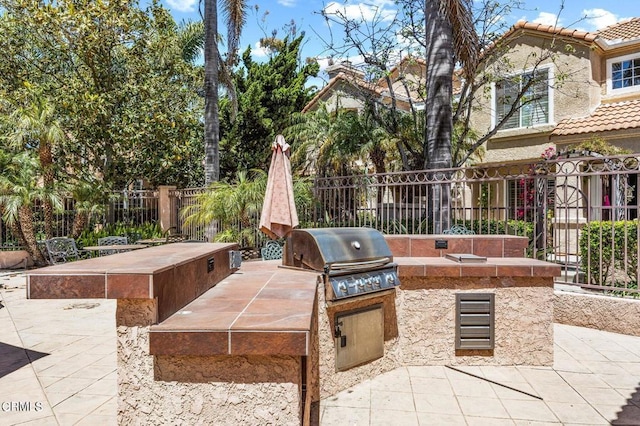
x: 131, y: 207
x: 580, y: 211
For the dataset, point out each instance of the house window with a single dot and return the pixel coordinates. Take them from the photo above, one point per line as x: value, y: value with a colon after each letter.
x: 533, y: 106
x: 625, y: 73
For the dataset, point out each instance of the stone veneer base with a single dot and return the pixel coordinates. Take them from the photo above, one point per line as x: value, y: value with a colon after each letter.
x: 224, y: 390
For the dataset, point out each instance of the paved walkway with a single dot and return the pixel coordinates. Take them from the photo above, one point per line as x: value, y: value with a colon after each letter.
x: 58, y: 362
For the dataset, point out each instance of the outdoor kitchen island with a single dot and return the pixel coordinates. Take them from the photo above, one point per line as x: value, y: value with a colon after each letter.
x: 256, y: 345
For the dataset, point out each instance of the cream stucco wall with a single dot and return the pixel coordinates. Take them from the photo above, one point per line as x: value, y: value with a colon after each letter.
x: 605, y: 313
x: 426, y: 333
x: 573, y: 93
x: 220, y: 390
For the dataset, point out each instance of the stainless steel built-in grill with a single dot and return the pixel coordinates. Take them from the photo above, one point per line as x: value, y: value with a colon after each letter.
x: 354, y: 261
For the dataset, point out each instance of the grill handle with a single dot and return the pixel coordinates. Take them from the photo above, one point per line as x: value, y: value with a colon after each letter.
x: 359, y: 265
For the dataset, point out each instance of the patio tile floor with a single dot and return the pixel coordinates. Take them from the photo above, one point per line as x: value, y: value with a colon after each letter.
x: 58, y: 363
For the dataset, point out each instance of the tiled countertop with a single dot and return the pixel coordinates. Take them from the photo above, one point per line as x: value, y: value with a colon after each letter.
x: 494, y: 267
x: 137, y: 274
x: 259, y: 310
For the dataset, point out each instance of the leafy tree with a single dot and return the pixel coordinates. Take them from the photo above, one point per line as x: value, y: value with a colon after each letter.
x: 118, y: 81
x: 91, y: 197
x: 269, y: 94
x: 381, y: 40
x: 333, y: 143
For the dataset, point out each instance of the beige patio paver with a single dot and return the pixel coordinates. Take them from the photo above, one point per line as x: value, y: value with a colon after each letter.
x: 62, y: 354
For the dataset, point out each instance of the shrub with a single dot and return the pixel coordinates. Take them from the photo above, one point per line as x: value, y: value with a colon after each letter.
x: 609, y: 253
x: 133, y: 232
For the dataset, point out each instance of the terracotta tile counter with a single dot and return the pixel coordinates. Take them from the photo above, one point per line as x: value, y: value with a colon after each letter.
x: 198, y: 341
x: 194, y: 334
x: 416, y: 270
x: 173, y: 274
x: 260, y: 310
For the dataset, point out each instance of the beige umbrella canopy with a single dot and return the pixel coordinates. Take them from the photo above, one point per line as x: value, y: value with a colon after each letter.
x: 279, y: 215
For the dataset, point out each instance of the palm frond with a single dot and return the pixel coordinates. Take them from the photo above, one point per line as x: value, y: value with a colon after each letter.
x: 191, y: 40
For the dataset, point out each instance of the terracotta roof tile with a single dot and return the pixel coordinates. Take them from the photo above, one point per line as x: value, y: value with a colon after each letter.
x: 622, y: 31
x: 606, y: 117
x: 352, y: 80
x: 551, y: 29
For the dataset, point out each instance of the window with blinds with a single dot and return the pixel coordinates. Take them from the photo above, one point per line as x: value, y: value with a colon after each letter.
x: 533, y: 106
x: 625, y: 73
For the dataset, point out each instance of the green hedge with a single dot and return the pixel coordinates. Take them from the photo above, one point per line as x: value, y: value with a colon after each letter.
x: 132, y: 232
x: 617, y: 243
x: 500, y: 227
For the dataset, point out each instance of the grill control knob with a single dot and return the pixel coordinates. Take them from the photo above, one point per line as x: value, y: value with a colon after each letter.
x: 361, y: 284
x: 376, y: 282
x: 342, y: 286
x: 391, y: 279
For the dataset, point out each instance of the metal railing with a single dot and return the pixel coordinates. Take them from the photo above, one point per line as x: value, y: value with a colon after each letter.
x: 131, y: 208
x: 580, y: 211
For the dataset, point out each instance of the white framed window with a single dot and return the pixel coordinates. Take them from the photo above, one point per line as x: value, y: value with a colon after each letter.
x: 535, y: 106
x: 623, y: 74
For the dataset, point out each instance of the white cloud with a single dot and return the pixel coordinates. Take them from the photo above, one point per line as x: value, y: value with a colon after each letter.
x: 365, y: 11
x: 182, y: 5
x: 599, y: 18
x: 547, y: 18
x: 287, y: 3
x: 259, y: 51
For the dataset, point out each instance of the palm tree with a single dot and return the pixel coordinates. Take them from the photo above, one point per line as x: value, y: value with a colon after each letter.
x: 211, y: 118
x: 19, y: 192
x: 235, y: 17
x: 234, y: 206
x: 91, y: 199
x: 35, y: 126
x: 450, y: 37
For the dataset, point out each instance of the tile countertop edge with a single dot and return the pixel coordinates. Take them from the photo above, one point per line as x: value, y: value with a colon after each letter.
x: 518, y: 266
x: 249, y: 339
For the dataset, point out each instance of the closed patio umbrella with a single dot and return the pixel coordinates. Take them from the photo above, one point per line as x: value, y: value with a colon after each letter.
x: 279, y: 215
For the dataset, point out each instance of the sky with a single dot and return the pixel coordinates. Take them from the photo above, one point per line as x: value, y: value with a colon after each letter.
x: 266, y: 16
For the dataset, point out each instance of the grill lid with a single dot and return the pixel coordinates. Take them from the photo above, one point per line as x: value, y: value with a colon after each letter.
x: 344, y: 249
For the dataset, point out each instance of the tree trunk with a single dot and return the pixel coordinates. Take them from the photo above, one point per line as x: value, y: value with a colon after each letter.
x: 29, y: 235
x: 80, y: 221
x: 16, y: 232
x: 46, y: 162
x: 211, y: 119
x: 437, y: 146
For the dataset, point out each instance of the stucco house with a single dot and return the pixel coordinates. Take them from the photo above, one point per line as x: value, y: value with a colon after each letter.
x: 582, y: 85
x: 586, y: 84
x: 348, y: 88
x: 574, y: 85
